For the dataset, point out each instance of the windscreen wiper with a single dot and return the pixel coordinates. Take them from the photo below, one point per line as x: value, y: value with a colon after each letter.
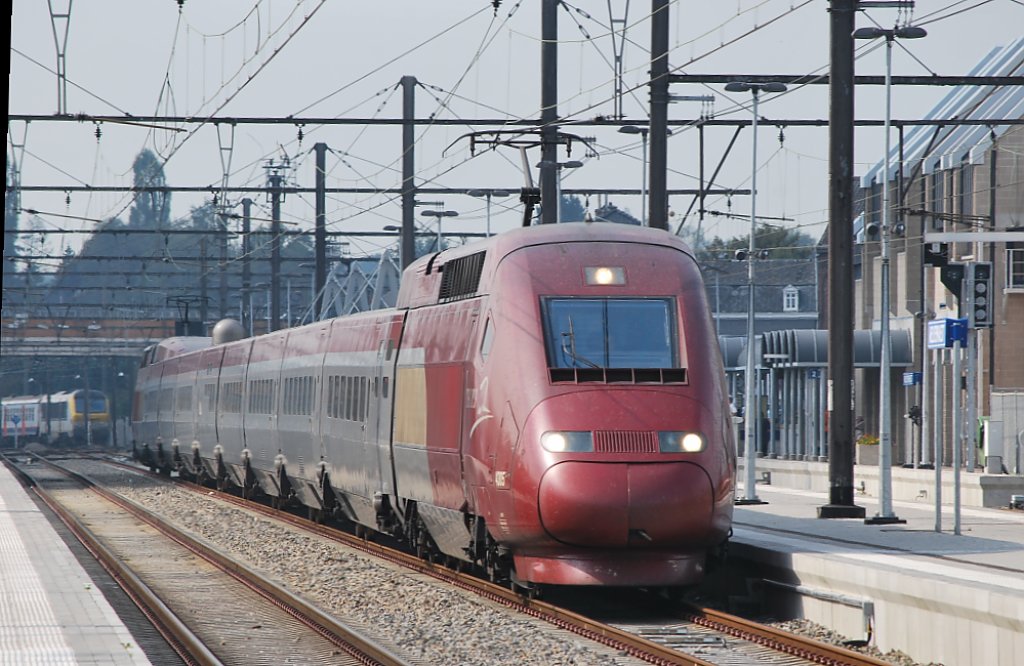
x: 570, y: 350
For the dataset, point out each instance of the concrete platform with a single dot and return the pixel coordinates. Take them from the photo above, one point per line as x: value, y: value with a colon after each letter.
x: 976, y: 489
x: 51, y: 610
x: 954, y: 600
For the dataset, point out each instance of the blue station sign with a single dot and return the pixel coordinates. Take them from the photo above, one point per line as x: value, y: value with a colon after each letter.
x: 944, y: 333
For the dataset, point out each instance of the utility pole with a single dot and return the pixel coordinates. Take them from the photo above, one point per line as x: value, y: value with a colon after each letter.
x: 657, y: 214
x: 549, y: 112
x: 276, y: 180
x: 408, y: 171
x: 246, y: 277
x: 320, y: 236
x: 222, y: 288
x: 840, y: 265
x: 203, y: 280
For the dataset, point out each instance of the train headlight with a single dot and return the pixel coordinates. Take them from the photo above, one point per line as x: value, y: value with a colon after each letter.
x: 615, y: 275
x: 681, y: 442
x: 559, y: 442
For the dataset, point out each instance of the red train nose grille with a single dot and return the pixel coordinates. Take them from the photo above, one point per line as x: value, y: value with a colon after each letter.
x: 625, y: 441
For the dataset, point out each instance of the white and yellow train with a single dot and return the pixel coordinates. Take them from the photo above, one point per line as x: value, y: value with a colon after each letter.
x: 62, y: 419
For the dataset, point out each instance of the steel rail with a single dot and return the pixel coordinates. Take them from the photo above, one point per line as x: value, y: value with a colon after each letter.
x: 344, y: 637
x: 620, y: 639
x: 777, y: 639
x: 182, y: 640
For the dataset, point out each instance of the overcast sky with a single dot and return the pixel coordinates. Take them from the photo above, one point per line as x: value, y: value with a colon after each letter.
x: 315, y: 58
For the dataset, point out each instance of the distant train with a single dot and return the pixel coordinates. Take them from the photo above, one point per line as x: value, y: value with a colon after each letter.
x: 548, y: 404
x: 58, y: 419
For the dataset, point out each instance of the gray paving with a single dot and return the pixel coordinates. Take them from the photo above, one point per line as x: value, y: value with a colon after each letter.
x: 51, y: 611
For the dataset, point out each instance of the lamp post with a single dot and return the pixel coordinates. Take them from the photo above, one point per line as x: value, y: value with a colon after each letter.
x: 885, y: 513
x: 642, y: 131
x: 439, y: 214
x: 749, y: 418
x: 488, y: 194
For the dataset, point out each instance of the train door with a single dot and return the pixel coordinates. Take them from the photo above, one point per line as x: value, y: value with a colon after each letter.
x: 378, y: 427
x: 300, y: 376
x: 261, y: 406
x: 206, y: 398
x: 320, y: 394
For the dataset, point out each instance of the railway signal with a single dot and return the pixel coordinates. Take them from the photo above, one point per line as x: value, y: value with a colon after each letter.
x: 979, y: 288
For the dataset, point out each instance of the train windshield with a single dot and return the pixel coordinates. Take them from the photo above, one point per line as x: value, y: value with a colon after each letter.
x: 610, y: 333
x: 97, y: 403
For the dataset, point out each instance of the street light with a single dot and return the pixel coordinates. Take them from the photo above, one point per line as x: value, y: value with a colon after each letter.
x: 439, y: 214
x: 885, y: 513
x: 488, y: 194
x: 571, y: 164
x: 749, y: 418
x: 642, y: 131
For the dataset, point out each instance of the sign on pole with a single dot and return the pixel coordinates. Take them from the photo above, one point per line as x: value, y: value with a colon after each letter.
x: 943, y: 333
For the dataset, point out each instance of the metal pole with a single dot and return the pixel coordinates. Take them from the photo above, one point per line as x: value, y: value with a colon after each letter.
x: 246, y: 275
x: 926, y: 375
x: 840, y: 266
x: 320, y: 235
x: 657, y: 215
x: 822, y: 405
x: 408, y: 171
x: 549, y: 112
x: 222, y: 288
x: 203, y: 297
x: 274, y: 315
x: 937, y: 402
x: 488, y: 214
x: 749, y: 409
x: 971, y: 429
x: 643, y: 180
x: 885, y: 514
x: 957, y: 435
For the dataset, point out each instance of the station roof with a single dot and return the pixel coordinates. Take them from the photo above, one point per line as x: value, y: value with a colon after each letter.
x: 943, y: 147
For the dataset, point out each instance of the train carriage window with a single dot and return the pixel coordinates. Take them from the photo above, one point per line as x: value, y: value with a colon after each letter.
x: 598, y: 333
x: 362, y: 399
x: 184, y: 399
x: 166, y: 400
x: 384, y: 388
x: 210, y: 393
x: 487, y: 340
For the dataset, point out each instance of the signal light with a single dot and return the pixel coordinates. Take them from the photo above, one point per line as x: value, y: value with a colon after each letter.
x: 980, y: 280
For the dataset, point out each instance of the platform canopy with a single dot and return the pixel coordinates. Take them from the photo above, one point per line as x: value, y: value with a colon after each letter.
x: 802, y: 348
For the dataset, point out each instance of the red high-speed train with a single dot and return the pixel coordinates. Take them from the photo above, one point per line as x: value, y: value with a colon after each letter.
x: 548, y: 404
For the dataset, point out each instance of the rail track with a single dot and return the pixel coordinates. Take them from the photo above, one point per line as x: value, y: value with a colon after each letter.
x: 210, y: 608
x: 643, y: 625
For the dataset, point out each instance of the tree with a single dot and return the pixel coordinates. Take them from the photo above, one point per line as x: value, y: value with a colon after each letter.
x: 152, y: 210
x: 12, y: 206
x: 781, y: 243
x: 572, y: 209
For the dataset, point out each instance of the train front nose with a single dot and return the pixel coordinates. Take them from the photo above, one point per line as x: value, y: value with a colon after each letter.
x: 626, y: 504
